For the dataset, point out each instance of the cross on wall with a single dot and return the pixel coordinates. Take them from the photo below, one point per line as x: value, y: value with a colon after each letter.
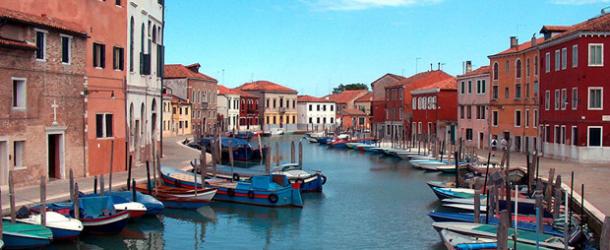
x: 54, y: 106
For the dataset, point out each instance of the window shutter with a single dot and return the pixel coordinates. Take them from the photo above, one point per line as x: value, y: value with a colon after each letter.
x: 121, y: 59
x: 103, y: 56
x: 94, y: 55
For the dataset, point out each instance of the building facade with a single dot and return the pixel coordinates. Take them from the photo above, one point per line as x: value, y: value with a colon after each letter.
x: 364, y: 104
x: 42, y: 70
x: 248, y: 112
x: 104, y: 84
x: 434, y: 116
x: 144, y: 67
x: 378, y: 104
x: 279, y: 104
x: 514, y: 95
x: 315, y: 114
x: 200, y: 92
x: 228, y: 105
x: 474, y: 95
x: 346, y: 99
x: 575, y: 110
x: 353, y: 120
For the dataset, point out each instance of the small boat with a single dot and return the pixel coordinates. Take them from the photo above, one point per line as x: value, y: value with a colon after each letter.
x: 338, y: 143
x: 276, y: 131
x: 325, y: 140
x: 122, y: 203
x: 311, y: 139
x: 245, y: 135
x: 180, y: 198
x: 62, y: 227
x: 343, y: 136
x: 264, y: 190
x: 441, y: 184
x: 489, y: 231
x: 98, y: 215
x: 352, y: 145
x: 458, y: 241
x: 524, y: 222
x: 369, y: 148
x: 243, y: 151
x: 525, y: 206
x: 153, y: 206
x: 21, y: 235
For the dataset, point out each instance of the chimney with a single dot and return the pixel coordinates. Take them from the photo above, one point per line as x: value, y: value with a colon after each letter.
x: 194, y: 67
x: 468, y: 66
x: 431, y: 67
x: 513, y: 42
x: 439, y: 66
x: 534, y: 43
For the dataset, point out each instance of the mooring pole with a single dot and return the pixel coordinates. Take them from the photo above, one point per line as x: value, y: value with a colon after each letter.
x: 11, y: 193
x: 43, y: 200
x: 129, y: 173
x: 76, y: 202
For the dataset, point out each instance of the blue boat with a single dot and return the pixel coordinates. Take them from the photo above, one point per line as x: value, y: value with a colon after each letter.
x: 245, y: 135
x: 325, y: 140
x: 264, y: 190
x: 469, y: 217
x: 242, y: 150
x: 97, y: 213
x: 153, y: 206
x: 20, y: 235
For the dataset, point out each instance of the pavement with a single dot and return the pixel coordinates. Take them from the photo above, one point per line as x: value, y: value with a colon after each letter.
x: 174, y: 155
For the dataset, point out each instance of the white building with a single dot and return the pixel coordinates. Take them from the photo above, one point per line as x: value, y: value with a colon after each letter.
x: 316, y: 113
x: 228, y: 107
x: 144, y: 72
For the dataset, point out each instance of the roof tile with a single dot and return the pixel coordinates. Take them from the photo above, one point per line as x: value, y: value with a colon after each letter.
x: 266, y: 86
x: 173, y: 71
x: 347, y: 95
x: 308, y: 98
x: 43, y: 20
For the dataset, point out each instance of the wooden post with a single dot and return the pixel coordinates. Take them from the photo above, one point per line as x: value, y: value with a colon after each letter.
x: 148, y: 184
x: 43, y: 200
x: 477, y: 206
x: 277, y: 154
x: 548, y: 195
x: 457, y: 170
x: 583, y: 219
x: 487, y: 170
x: 94, y: 184
x: 502, y: 231
x: 111, y: 163
x: 292, y: 152
x: 76, y: 202
x: 231, y: 155
x: 604, y: 243
x: 530, y: 176
x: 129, y: 163
x: 300, y: 154
x: 71, y: 176
x: 134, y: 197
x: 539, y: 214
x: 557, y: 194
x: 571, y: 200
x: 102, y: 187
x: 203, y: 162
x: 1, y: 227
x: 268, y: 161
x: 487, y: 206
x: 11, y: 193
x: 157, y: 181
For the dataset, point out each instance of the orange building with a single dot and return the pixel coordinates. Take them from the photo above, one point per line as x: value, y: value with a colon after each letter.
x: 104, y: 84
x: 514, y: 95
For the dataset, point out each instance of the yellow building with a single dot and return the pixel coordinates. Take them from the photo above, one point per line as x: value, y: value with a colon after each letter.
x: 176, y: 116
x: 277, y: 104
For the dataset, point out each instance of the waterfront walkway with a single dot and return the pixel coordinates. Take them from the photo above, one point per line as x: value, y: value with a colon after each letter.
x: 175, y: 155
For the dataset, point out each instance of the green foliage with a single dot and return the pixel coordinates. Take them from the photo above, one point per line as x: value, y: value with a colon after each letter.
x: 351, y: 86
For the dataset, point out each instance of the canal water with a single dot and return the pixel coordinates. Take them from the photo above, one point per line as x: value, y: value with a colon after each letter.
x: 369, y: 202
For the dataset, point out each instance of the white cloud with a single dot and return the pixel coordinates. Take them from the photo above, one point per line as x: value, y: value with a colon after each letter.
x: 349, y: 5
x: 578, y: 2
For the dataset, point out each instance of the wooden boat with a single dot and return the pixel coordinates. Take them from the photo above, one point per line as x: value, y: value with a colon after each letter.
x: 122, y: 203
x: 21, y: 235
x: 264, y: 190
x: 152, y: 205
x: 489, y: 231
x: 243, y: 151
x: 458, y: 241
x: 98, y: 215
x: 312, y: 139
x: 448, y: 193
x: 62, y: 227
x: 524, y: 222
x: 180, y: 198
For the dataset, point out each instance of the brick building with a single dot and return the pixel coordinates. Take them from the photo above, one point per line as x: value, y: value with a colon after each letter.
x: 346, y: 99
x: 575, y: 113
x: 42, y: 70
x: 248, y: 111
x: 433, y: 107
x: 474, y: 95
x: 201, y: 91
x: 364, y: 104
x: 378, y: 107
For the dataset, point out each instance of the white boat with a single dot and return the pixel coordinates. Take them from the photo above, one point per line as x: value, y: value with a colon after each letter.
x: 343, y: 136
x: 276, y: 131
x: 135, y: 209
x: 61, y: 226
x: 465, y: 207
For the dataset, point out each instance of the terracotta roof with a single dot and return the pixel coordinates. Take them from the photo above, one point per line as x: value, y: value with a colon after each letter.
x: 175, y: 99
x: 351, y: 111
x: 243, y: 93
x: 42, y: 21
x: 266, y: 86
x: 396, y: 77
x: 554, y: 28
x: 448, y: 84
x: 422, y: 79
x: 222, y: 90
x: 308, y: 98
x: 366, y: 98
x: 598, y: 23
x: 347, y: 95
x: 174, y: 71
x: 481, y: 70
x: 14, y: 44
x: 520, y: 47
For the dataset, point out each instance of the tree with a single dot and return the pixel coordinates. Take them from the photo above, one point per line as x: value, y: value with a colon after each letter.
x: 350, y: 86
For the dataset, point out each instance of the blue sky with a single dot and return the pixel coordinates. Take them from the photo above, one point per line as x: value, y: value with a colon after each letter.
x: 314, y: 45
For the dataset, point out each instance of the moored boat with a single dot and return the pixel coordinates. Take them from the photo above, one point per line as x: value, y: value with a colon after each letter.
x: 21, y: 235
x: 458, y: 241
x: 153, y: 206
x: 524, y: 222
x: 62, y: 227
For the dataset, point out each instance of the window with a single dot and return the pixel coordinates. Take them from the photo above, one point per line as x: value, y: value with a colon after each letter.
x: 469, y: 87
x: 564, y: 58
x: 414, y: 103
x: 103, y: 125
x: 424, y: 102
x: 574, y: 98
x: 318, y: 120
x: 494, y: 118
x: 274, y: 104
x: 495, y: 71
x: 117, y: 2
x: 518, y: 68
x: 563, y: 135
x: 547, y: 100
x: 595, y: 98
x: 594, y: 135
x: 463, y: 87
x: 324, y: 120
x: 461, y: 112
x: 99, y: 57
x: 527, y: 118
x: 469, y: 134
x: 557, y: 135
x: 564, y: 99
x: 556, y: 100
x: 574, y: 135
x: 117, y: 58
x: 186, y: 124
x: 478, y: 86
x: 527, y: 67
x: 495, y: 92
x: 469, y: 112
x: 41, y: 44
x: 19, y: 93
x: 535, y: 118
x: 506, y: 93
x: 536, y: 88
x: 66, y: 42
x: 574, y: 56
x: 547, y: 62
x: 536, y: 65
x: 483, y: 87
x: 332, y: 120
x: 131, y: 31
x: 557, y: 60
x: 332, y: 107
x: 274, y: 119
x: 596, y: 54
x: 517, y: 91
x: 517, y: 118
x: 324, y: 107
x: 547, y: 133
x: 483, y: 115
x: 310, y: 107
x: 18, y: 151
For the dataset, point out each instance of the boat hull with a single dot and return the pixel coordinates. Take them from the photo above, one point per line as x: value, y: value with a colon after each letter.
x: 107, y: 225
x: 12, y: 241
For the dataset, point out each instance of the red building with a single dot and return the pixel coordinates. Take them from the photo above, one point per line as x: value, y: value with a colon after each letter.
x: 398, y: 111
x: 248, y: 111
x: 434, y: 111
x: 575, y: 113
x: 378, y: 102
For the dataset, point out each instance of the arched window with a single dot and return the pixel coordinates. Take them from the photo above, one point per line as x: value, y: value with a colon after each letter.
x: 131, y: 118
x: 496, y: 71
x: 142, y: 115
x: 518, y: 68
x: 142, y: 38
x: 154, y: 34
x: 153, y: 119
x: 131, y: 30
